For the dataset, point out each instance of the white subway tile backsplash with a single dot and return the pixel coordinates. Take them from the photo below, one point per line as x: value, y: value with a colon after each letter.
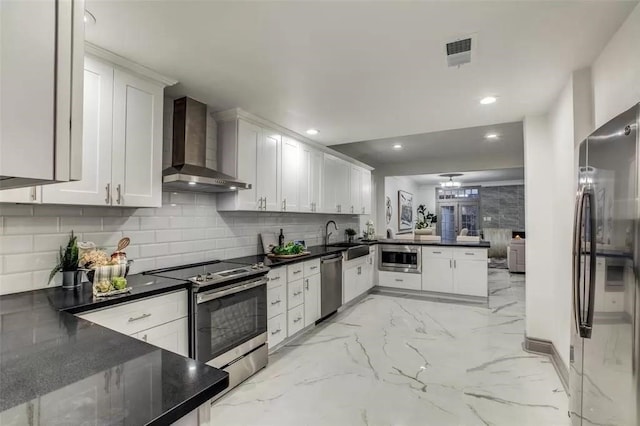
x: 25, y: 225
x: 131, y: 223
x: 16, y: 244
x: 29, y: 262
x: 191, y: 231
x: 154, y: 250
x: 80, y: 224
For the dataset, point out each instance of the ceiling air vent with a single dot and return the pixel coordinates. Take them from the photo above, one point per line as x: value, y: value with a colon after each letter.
x: 459, y: 52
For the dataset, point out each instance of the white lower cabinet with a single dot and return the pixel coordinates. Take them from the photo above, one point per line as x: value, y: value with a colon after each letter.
x: 172, y: 336
x: 295, y: 320
x: 276, y: 329
x: 461, y: 271
x: 295, y: 293
x: 399, y: 280
x: 159, y: 320
x: 356, y: 277
x: 311, y: 299
x: 276, y: 301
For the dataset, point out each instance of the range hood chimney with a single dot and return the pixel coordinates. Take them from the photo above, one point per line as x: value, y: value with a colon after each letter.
x: 188, y: 171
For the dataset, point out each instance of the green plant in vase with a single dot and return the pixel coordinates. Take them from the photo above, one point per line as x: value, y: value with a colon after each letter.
x: 350, y: 232
x: 67, y: 262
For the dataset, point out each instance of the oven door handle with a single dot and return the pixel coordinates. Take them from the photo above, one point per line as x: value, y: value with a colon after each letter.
x: 206, y: 297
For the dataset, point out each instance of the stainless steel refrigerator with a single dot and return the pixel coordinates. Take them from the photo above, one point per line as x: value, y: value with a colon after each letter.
x: 605, y: 345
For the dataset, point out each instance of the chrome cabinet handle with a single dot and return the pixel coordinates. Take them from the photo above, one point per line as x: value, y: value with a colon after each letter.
x: 119, y: 190
x: 306, y: 284
x: 297, y: 272
x: 399, y: 280
x: 284, y: 205
x: 454, y: 264
x: 260, y: 203
x: 276, y: 332
x: 313, y: 267
x: 297, y: 293
x: 297, y: 319
x: 34, y: 194
x: 107, y: 200
x: 450, y: 264
x: 352, y: 209
x: 274, y: 278
x: 359, y: 270
x: 437, y: 252
x: 143, y: 316
x: 276, y: 302
x: 265, y: 204
x: 469, y: 254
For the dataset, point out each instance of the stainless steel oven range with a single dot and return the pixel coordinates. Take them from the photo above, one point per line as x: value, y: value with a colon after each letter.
x: 400, y: 258
x: 229, y: 316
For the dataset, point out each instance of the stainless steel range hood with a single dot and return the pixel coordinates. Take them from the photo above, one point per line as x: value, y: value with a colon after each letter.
x: 188, y: 171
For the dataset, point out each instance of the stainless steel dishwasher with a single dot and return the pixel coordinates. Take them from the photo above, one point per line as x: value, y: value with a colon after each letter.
x: 330, y: 284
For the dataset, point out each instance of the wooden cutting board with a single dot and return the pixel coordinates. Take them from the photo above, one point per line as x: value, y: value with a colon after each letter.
x: 288, y: 256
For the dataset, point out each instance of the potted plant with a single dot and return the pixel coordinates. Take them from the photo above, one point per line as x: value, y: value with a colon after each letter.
x: 67, y: 263
x: 350, y: 234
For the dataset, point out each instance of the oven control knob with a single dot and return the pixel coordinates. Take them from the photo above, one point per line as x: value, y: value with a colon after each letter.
x: 261, y: 265
x: 199, y: 278
x: 209, y: 276
x: 255, y: 266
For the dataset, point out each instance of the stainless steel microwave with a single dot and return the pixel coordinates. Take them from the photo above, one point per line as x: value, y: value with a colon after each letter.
x: 400, y: 258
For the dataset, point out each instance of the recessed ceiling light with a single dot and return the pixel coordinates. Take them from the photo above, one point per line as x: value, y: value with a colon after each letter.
x: 488, y: 100
x: 313, y: 132
x: 491, y: 136
x: 89, y: 18
x: 397, y: 146
x: 192, y: 183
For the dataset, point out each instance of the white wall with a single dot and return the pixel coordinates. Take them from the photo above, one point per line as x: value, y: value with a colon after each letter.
x: 616, y: 72
x: 393, y: 184
x: 426, y: 194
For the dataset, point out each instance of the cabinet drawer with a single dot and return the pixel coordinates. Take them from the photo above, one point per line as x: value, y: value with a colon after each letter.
x: 436, y: 252
x: 400, y: 280
x: 129, y: 318
x: 277, y: 277
x: 295, y: 320
x: 311, y: 267
x: 276, y: 301
x: 295, y: 293
x: 172, y: 336
x: 470, y: 254
x: 276, y: 329
x: 295, y: 271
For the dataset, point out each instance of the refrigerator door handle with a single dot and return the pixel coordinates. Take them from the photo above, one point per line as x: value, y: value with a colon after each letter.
x: 577, y: 231
x: 587, y: 326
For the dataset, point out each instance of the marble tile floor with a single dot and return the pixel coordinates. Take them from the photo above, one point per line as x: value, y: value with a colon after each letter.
x: 400, y: 361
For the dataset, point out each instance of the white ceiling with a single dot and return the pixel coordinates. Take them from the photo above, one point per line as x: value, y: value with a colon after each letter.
x: 475, y: 177
x: 361, y: 70
x: 455, y: 144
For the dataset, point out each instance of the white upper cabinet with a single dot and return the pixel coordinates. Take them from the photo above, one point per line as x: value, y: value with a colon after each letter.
x: 41, y: 53
x: 336, y: 187
x: 95, y: 186
x: 356, y: 190
x: 310, y: 179
x: 290, y: 174
x: 285, y: 174
x: 122, y: 141
x: 365, y: 195
x: 136, y: 171
x: 268, y: 170
x: 32, y: 195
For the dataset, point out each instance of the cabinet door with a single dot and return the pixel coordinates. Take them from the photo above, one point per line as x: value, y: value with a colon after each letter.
x: 356, y: 188
x: 136, y: 173
x: 31, y: 195
x: 330, y: 181
x: 276, y: 329
x: 470, y: 277
x: 289, y: 175
x: 366, y: 192
x: 343, y: 186
x: 437, y: 274
x: 305, y: 204
x: 249, y: 137
x: 311, y: 299
x: 95, y: 186
x: 172, y: 336
x: 350, y: 284
x: 267, y: 170
x: 316, y: 179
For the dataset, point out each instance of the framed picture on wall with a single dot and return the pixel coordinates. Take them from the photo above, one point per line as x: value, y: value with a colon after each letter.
x: 405, y: 211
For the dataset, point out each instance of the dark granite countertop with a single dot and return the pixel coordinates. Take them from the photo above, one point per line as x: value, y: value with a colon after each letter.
x: 470, y: 244
x: 71, y: 371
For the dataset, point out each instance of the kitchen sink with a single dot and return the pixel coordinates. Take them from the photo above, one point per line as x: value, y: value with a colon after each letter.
x: 343, y: 244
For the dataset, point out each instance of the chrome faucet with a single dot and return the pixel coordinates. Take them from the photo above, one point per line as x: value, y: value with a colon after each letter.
x: 327, y: 233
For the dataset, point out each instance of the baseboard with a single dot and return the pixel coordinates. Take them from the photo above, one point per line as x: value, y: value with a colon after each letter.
x: 546, y: 347
x: 431, y: 296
